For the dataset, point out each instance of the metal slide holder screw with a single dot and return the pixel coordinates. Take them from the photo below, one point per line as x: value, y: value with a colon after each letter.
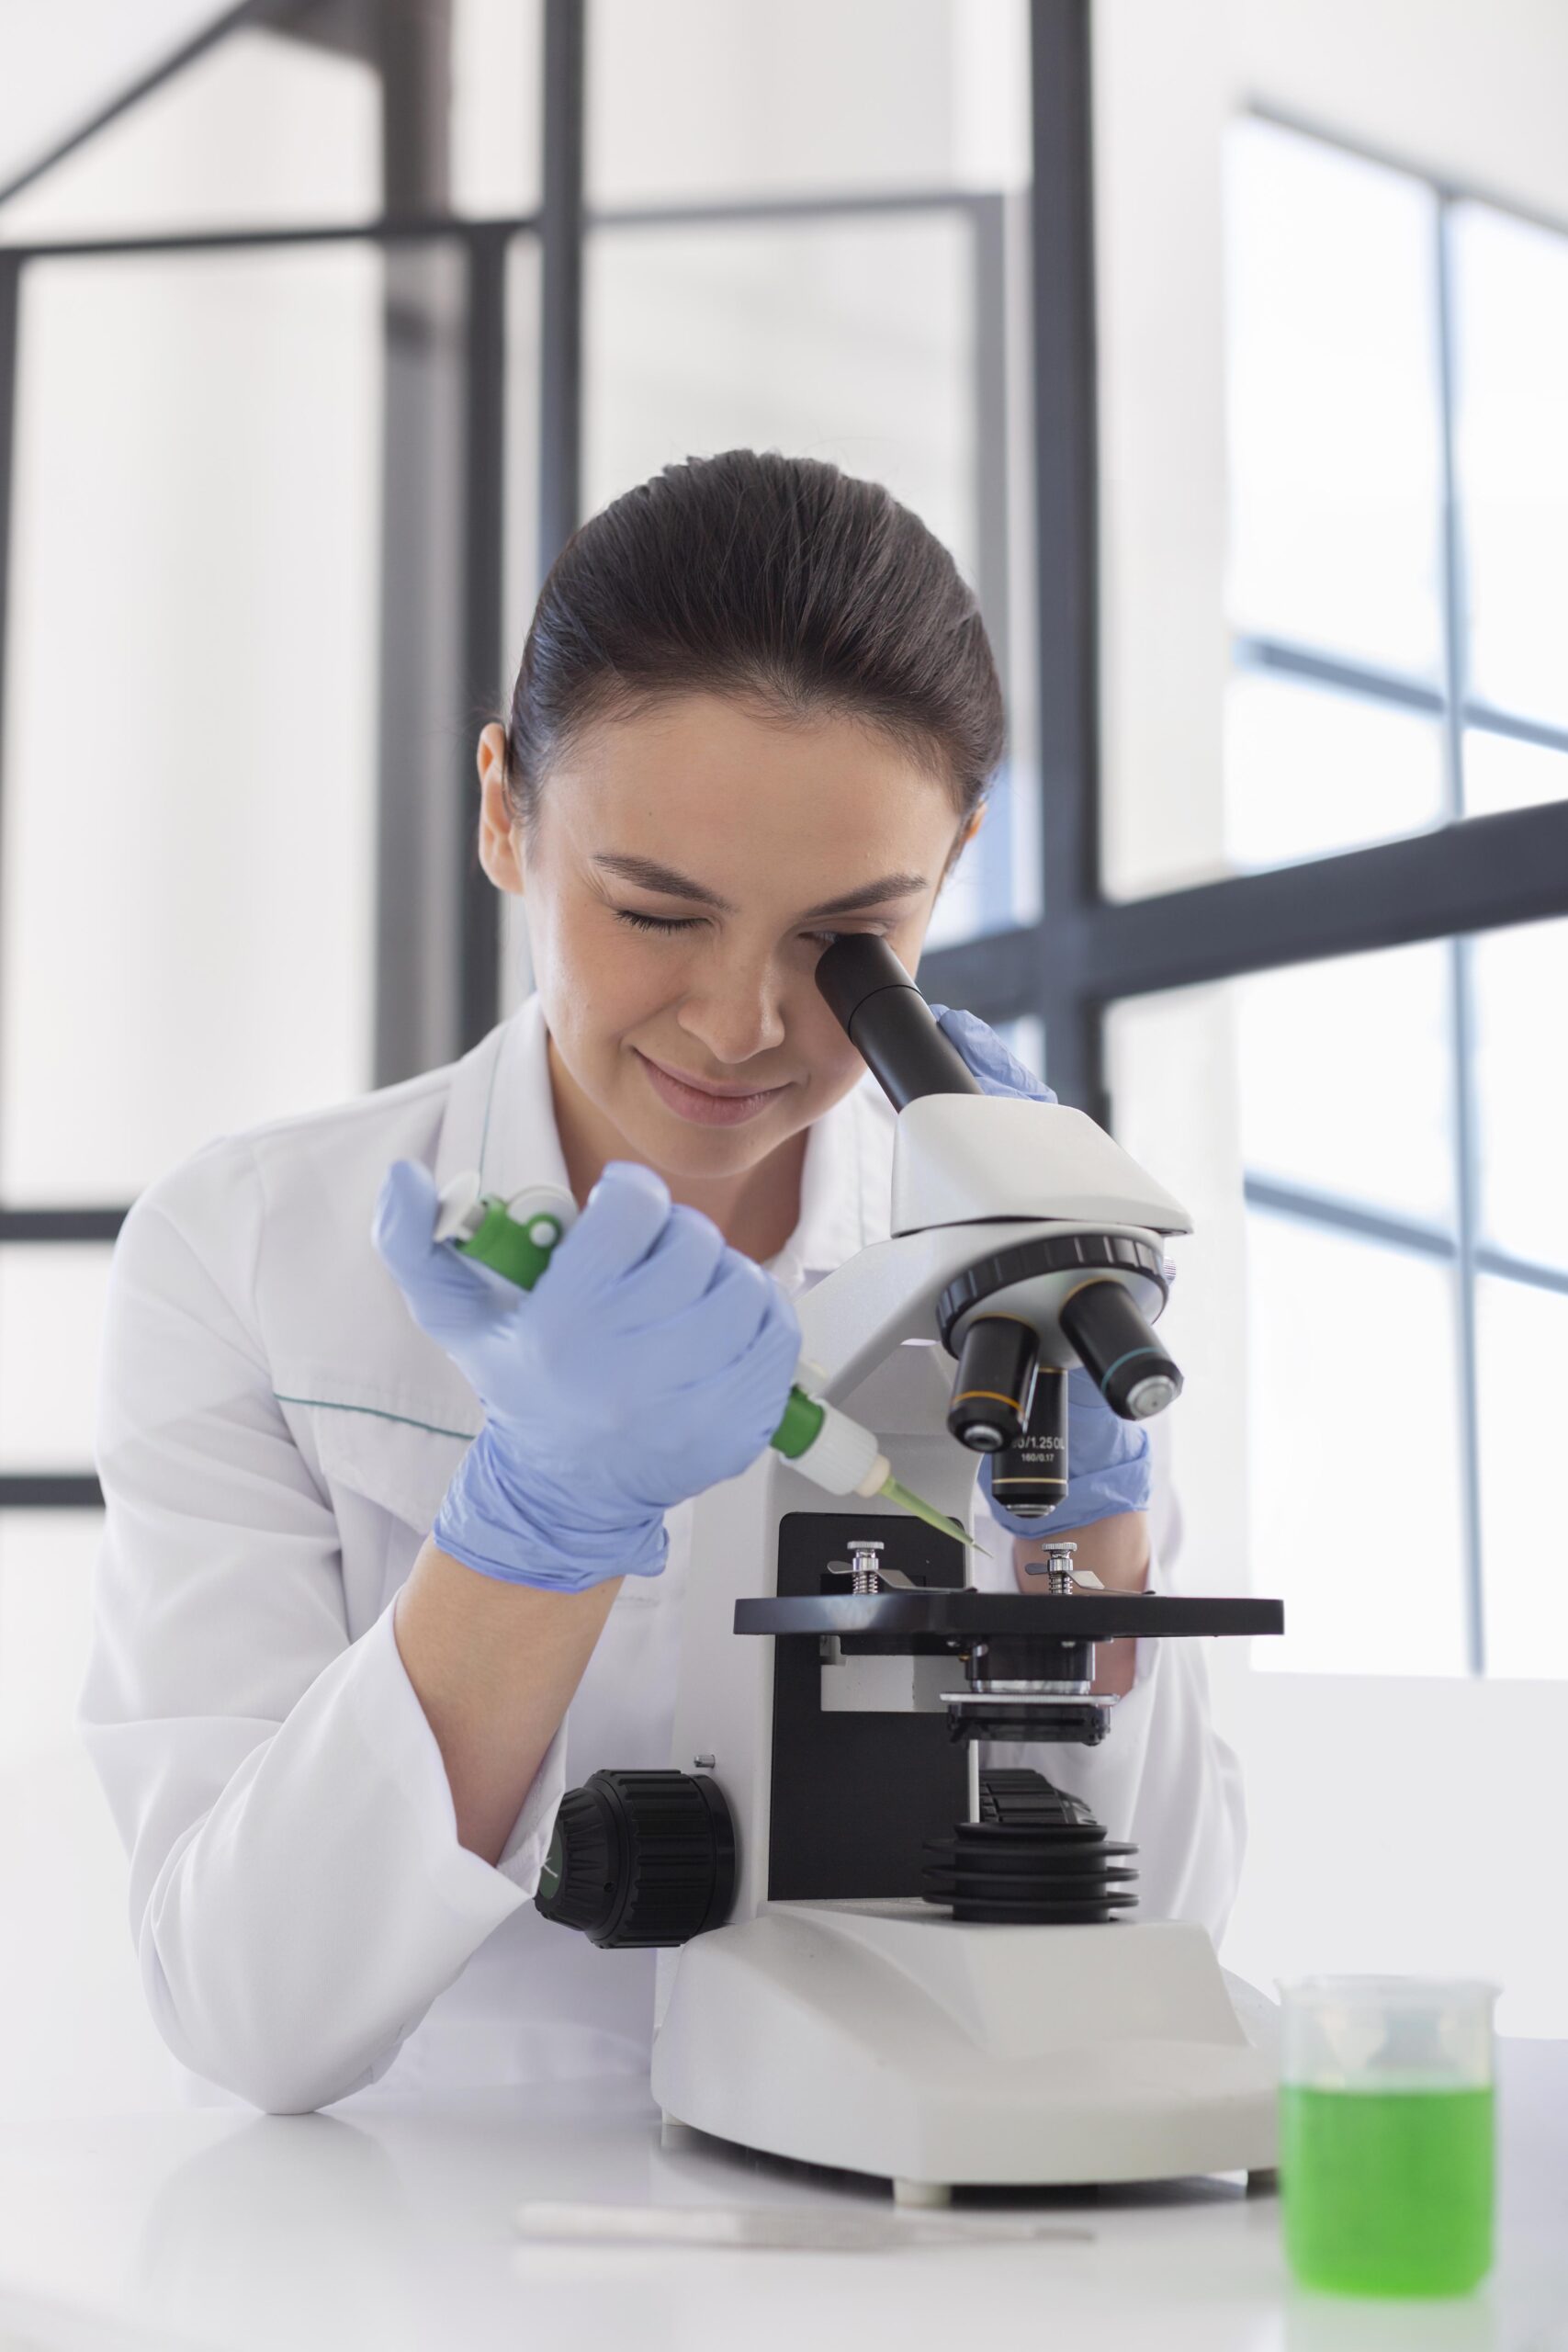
x: 863, y: 1566
x: 1056, y: 1568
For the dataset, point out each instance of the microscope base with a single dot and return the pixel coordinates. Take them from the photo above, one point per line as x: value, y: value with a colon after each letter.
x: 887, y: 2038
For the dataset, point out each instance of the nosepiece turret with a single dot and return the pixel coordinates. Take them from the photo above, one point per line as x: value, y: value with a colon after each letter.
x: 1085, y: 1295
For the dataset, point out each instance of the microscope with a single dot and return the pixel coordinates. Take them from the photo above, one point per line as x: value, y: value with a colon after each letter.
x: 875, y: 1954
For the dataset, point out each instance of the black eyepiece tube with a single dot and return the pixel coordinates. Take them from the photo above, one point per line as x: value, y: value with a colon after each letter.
x: 888, y: 1022
x: 1124, y: 1359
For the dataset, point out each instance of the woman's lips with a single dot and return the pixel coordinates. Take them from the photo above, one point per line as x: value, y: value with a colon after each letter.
x: 704, y: 1110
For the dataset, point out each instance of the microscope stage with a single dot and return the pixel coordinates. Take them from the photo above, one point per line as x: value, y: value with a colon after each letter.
x: 946, y: 1620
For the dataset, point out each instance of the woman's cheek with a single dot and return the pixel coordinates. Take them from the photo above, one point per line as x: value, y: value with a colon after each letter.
x: 835, y: 1066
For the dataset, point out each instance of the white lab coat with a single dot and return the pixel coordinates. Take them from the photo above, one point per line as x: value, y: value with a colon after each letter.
x: 275, y: 1436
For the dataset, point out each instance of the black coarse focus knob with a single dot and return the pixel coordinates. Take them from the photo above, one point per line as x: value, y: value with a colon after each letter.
x: 640, y: 1859
x: 888, y: 1022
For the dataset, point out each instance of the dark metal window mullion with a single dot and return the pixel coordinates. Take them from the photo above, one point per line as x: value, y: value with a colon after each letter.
x: 1065, y: 456
x: 560, y: 292
x: 992, y: 851
x: 484, y: 566
x: 1455, y: 619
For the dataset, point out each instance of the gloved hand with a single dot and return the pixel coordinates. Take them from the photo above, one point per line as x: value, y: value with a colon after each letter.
x: 650, y: 1362
x: 1109, y: 1468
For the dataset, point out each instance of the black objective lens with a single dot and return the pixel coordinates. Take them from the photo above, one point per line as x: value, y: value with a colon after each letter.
x: 1030, y: 1477
x: 990, y: 1394
x: 1125, y: 1361
x: 888, y: 1022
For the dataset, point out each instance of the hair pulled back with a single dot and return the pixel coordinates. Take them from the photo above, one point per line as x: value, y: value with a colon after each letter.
x: 774, y: 579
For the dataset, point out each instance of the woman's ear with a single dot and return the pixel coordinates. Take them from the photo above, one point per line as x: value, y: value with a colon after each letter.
x: 967, y: 834
x: 498, y: 832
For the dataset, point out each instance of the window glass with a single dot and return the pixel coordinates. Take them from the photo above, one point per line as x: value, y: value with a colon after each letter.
x: 1500, y: 771
x: 1280, y: 1447
x: 1511, y: 303
x: 497, y: 61
x: 1345, y: 1080
x: 1520, y: 995
x: 262, y: 131
x: 52, y: 79
x: 1335, y: 445
x: 1026, y: 1039
x: 1369, y: 1561
x: 1522, y: 1339
x: 52, y: 1312
x: 1308, y: 772
x: 189, y: 840
x: 771, y: 99
x: 851, y: 341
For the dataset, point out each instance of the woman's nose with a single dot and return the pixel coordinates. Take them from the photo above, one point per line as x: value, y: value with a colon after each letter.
x: 737, y: 1014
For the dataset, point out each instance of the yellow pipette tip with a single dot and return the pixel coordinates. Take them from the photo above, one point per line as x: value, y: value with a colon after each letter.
x: 894, y: 1492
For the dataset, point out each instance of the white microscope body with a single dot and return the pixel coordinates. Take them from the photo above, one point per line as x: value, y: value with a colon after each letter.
x: 868, y: 2030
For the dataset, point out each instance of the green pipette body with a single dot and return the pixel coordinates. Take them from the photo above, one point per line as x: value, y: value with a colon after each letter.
x: 823, y: 1443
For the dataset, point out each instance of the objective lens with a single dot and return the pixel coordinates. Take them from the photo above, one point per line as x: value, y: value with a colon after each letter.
x: 1126, y: 1362
x: 996, y: 1375
x: 1030, y: 1477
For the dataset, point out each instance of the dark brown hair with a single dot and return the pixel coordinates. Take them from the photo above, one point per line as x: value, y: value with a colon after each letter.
x: 776, y: 579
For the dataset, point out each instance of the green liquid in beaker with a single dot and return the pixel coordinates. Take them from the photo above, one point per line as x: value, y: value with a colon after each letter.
x: 1387, y: 2192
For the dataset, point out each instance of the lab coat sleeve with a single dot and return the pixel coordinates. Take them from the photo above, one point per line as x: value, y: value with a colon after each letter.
x: 1163, y: 1777
x: 298, y: 1893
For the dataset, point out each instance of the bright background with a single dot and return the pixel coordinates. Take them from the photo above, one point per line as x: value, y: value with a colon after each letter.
x: 1333, y: 320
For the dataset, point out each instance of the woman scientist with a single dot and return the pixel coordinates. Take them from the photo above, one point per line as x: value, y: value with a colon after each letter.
x: 385, y: 1548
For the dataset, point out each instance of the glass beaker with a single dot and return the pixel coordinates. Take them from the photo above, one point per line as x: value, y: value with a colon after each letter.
x: 1386, y: 2133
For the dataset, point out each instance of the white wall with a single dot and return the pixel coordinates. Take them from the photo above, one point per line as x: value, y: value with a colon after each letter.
x: 1396, y: 1823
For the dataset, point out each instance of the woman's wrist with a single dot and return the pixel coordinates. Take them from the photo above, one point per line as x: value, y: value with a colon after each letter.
x: 554, y: 1534
x: 494, y: 1666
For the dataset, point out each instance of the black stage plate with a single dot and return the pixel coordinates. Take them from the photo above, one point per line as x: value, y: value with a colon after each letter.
x: 939, y: 1621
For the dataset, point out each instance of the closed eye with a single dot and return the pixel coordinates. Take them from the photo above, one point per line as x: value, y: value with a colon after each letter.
x: 666, y: 924
x: 657, y: 923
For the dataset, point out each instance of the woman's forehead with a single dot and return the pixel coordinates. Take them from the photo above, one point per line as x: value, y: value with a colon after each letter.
x: 713, y: 778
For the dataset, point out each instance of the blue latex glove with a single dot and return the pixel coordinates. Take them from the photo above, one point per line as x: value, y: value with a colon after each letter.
x: 1109, y: 1469
x: 650, y: 1362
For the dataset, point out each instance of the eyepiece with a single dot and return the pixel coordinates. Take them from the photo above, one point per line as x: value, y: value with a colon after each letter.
x: 888, y: 1022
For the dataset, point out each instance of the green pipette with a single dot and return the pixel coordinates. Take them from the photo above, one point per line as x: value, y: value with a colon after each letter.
x: 516, y: 1237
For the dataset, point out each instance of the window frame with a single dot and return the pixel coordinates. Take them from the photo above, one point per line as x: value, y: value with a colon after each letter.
x: 437, y: 947
x: 1086, y: 952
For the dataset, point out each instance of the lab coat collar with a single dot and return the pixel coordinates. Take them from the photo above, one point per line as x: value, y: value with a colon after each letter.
x: 500, y: 1119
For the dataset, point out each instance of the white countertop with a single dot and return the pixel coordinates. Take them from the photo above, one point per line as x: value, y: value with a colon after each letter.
x: 393, y: 2226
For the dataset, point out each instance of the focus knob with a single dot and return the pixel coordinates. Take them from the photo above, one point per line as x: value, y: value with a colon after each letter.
x: 640, y: 1859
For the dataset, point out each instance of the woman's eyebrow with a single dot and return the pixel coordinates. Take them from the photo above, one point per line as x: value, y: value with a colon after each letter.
x: 651, y: 876
x: 892, y: 885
